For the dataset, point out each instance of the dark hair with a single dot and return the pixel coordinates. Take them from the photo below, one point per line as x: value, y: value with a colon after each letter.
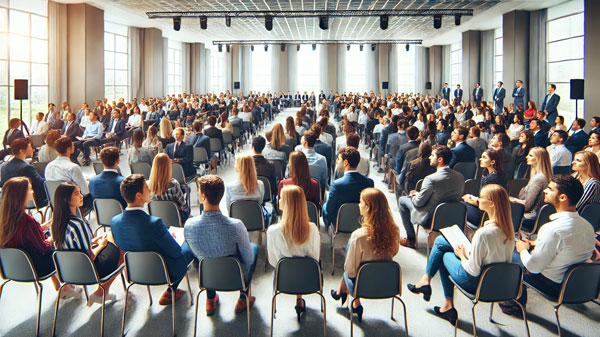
x: 424, y: 151
x: 110, y: 155
x: 353, y: 139
x: 462, y: 131
x: 443, y: 152
x: 310, y: 138
x: 212, y: 187
x: 596, y: 119
x: 562, y: 134
x: 350, y: 154
x: 444, y: 123
x: 553, y: 86
x: 580, y: 122
x: 132, y: 185
x: 212, y: 120
x: 197, y: 125
x: 569, y: 186
x: 299, y: 170
x: 502, y: 137
x: 497, y: 158
x: 62, y: 213
x: 475, y: 131
x: 19, y: 144
x: 316, y: 128
x: 258, y: 143
x: 537, y: 122
x: 412, y: 133
x: 63, y: 144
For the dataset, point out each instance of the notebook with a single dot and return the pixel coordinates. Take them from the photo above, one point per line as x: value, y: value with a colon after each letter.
x: 456, y: 237
x: 177, y: 233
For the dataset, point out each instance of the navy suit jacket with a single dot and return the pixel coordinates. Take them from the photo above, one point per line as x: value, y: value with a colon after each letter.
x: 577, y: 141
x: 72, y: 131
x: 551, y: 105
x: 344, y: 190
x: 200, y: 140
x: 107, y: 185
x: 541, y: 139
x: 119, y: 128
x: 458, y: 93
x: 411, y: 144
x: 446, y: 93
x: 186, y: 155
x: 325, y: 150
x: 304, y: 97
x: 477, y: 96
x: 136, y: 231
x: 19, y: 168
x: 462, y: 153
x: 518, y: 95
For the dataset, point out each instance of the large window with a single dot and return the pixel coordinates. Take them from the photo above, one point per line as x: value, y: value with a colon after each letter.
x: 261, y: 69
x: 565, y: 53
x: 406, y: 69
x: 23, y: 55
x: 115, y: 61
x: 455, y: 64
x: 174, y: 70
x: 217, y: 72
x: 498, y: 51
x: 308, y: 70
x: 356, y: 70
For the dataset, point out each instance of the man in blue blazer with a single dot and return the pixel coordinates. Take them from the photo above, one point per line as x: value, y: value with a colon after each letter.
x: 116, y: 128
x: 198, y: 139
x: 297, y: 99
x: 550, y: 103
x: 446, y: 92
x: 499, y: 95
x: 107, y: 185
x: 477, y: 93
x: 347, y: 189
x: 458, y: 93
x: 518, y: 94
x: 304, y: 97
x: 462, y: 152
x: 181, y: 153
x: 135, y: 230
x: 18, y: 167
x: 539, y: 136
x: 578, y: 138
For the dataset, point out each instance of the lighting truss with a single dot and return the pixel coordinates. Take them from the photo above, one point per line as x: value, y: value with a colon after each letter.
x: 299, y: 42
x: 309, y: 13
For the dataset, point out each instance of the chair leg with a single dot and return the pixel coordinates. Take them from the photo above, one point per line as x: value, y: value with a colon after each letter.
x: 524, y: 317
x: 196, y: 312
x: 351, y: 320
x: 558, y: 320
x: 273, y: 312
x: 149, y: 295
x: 2, y: 287
x: 248, y: 312
x: 87, y: 297
x: 56, y: 310
x: 123, y: 281
x: 491, y: 312
x: 125, y: 310
x: 173, y: 309
x: 324, y: 311
x: 392, y: 311
x: 189, y: 289
x: 417, y: 237
x: 39, y: 313
x: 265, y: 232
x: 474, y: 323
x: 102, y: 313
x: 332, y: 253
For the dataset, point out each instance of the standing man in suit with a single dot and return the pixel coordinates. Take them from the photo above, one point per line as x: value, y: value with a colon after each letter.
x: 346, y: 189
x: 71, y: 128
x: 578, y: 138
x: 446, y: 92
x: 445, y: 185
x: 499, y: 95
x: 136, y: 230
x: 181, y: 153
x: 458, y: 93
x: 18, y: 167
x: 107, y: 185
x: 518, y: 94
x: 540, y: 137
x: 477, y: 93
x: 550, y: 104
x: 462, y: 152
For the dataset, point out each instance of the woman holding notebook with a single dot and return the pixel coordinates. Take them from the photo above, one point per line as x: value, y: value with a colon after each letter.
x: 492, y: 243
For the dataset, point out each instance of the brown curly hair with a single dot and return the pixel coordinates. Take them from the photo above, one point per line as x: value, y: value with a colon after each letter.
x: 383, y: 233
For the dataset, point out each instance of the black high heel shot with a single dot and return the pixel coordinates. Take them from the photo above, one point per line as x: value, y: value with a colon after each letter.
x: 425, y: 290
x: 450, y: 315
x: 358, y: 311
x: 337, y: 296
x: 300, y: 307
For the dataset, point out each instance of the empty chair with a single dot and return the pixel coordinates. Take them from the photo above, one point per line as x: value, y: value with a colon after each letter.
x: 591, y: 213
x: 217, y: 147
x: 268, y: 193
x: 167, y: 211
x: 445, y: 215
x: 467, y: 169
x: 379, y: 280
x: 498, y: 282
x: 98, y: 167
x: 348, y: 219
x: 251, y: 214
x: 106, y: 209
x: 298, y: 276
x: 40, y: 167
x: 37, y: 141
x: 16, y: 265
x: 200, y: 156
x: 472, y: 186
x: 514, y: 186
x: 313, y: 213
x: 142, y: 168
x: 51, y: 186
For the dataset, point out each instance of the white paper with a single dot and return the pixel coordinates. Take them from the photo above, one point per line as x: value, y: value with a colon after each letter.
x: 177, y: 233
x: 455, y: 237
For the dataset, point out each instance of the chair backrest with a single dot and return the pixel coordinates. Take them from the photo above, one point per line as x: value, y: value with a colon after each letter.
x: 543, y: 216
x: 268, y: 194
x: 298, y: 276
x: 522, y: 171
x: 221, y: 274
x: 16, y: 265
x: 378, y: 279
x: 591, y: 213
x: 215, y: 145
x: 227, y: 137
x: 348, y: 218
x: 200, y: 155
x: 418, y: 185
x: 561, y: 169
x: 106, y: 209
x: 37, y: 141
x: 313, y: 212
x: 291, y: 142
x: 167, y: 211
x: 514, y: 186
x: 177, y: 173
x: 279, y: 166
x: 472, y: 186
x: 581, y: 283
x: 236, y: 132
x: 517, y: 211
x: 467, y: 169
x: 98, y: 167
x: 499, y: 282
x: 250, y: 212
x: 146, y: 268
x: 51, y: 186
x: 448, y: 214
x: 75, y: 267
x: 40, y: 167
x: 142, y: 168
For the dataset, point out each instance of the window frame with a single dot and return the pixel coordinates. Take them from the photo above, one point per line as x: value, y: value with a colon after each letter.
x: 114, y: 68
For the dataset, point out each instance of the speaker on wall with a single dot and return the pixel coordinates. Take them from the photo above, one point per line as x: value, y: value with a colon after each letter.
x: 236, y: 85
x: 576, y: 89
x: 384, y: 85
x: 428, y: 85
x: 21, y: 89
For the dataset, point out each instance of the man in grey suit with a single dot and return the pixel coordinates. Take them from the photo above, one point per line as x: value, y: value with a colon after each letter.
x: 445, y: 185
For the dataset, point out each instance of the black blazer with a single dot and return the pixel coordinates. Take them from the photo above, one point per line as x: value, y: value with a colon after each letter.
x: 17, y: 133
x: 71, y: 130
x: 185, y: 154
x: 214, y: 132
x: 119, y: 128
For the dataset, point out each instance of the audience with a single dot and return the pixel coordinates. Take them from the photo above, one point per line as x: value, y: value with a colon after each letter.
x: 39, y: 126
x: 300, y: 176
x: 461, y: 152
x: 476, y: 142
x: 107, y: 184
x: 47, y: 152
x: 276, y: 148
x: 587, y: 171
x: 316, y: 162
x: 139, y: 153
x: 19, y: 167
x: 578, y: 138
x: 164, y: 187
x: 181, y: 153
x: 264, y: 168
x: 526, y: 143
x: 560, y: 156
x: 500, y: 142
x: 10, y: 135
x: 594, y: 143
x: 247, y: 186
x: 92, y: 136
x: 153, y: 142
x: 418, y: 168
x: 540, y: 137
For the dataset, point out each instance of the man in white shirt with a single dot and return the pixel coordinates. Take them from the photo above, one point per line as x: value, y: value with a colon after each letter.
x: 560, y: 156
x: 566, y: 240
x: 39, y: 126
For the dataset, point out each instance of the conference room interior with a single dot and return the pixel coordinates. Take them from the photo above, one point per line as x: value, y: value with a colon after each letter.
x: 112, y: 52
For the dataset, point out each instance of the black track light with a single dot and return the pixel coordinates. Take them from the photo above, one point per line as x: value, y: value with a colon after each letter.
x: 407, y: 47
x: 227, y: 48
x: 361, y: 47
x: 251, y: 48
x: 314, y: 47
x: 457, y: 19
x: 324, y: 22
x: 348, y: 47
x: 383, y: 22
x: 373, y: 47
x: 282, y: 47
x: 227, y: 20
x: 203, y: 22
x: 266, y: 47
x: 437, y: 21
x: 220, y: 48
x: 297, y: 47
x: 177, y: 23
x: 269, y: 22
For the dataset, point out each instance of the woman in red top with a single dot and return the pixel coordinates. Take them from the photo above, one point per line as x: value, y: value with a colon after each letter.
x: 300, y: 176
x: 531, y: 111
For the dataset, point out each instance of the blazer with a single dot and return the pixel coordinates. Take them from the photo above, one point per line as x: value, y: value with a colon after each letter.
x: 200, y: 140
x: 214, y: 132
x: 541, y: 139
x: 136, y: 230
x: 266, y: 169
x: 119, y: 127
x: 508, y: 163
x: 344, y: 190
x: 107, y: 185
x: 499, y: 94
x: 462, y: 153
x: 19, y: 168
x: 326, y: 151
x: 445, y: 185
x: 71, y: 130
x: 478, y: 144
x: 400, y: 162
x: 446, y: 93
x: 518, y: 94
x: 577, y: 141
x: 458, y: 93
x: 477, y: 94
x: 186, y: 155
x: 550, y: 104
x: 17, y: 133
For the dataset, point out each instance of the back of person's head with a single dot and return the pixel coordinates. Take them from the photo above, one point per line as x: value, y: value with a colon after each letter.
x: 166, y: 129
x: 348, y: 128
x: 51, y: 138
x: 350, y: 154
x: 412, y: 133
x: 383, y: 233
x: 562, y: 135
x: 498, y: 196
x: 299, y: 170
x: 212, y: 187
x: 20, y: 144
x: 14, y: 198
x: 316, y: 128
x: 197, y: 125
x: 542, y: 163
x: 246, y: 169
x: 160, y: 176
x: 61, y: 213
x: 277, y: 136
x: 131, y: 186
x: 503, y: 138
x: 63, y: 144
x: 353, y: 139
x: 258, y: 144
x: 138, y: 138
x: 152, y: 131
x: 110, y: 155
x: 14, y: 123
x: 310, y: 138
x: 424, y: 151
x: 475, y: 131
x: 296, y: 225
x: 568, y: 185
x: 443, y: 152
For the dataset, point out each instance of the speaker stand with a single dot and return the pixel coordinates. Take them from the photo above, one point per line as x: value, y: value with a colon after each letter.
x: 23, y: 125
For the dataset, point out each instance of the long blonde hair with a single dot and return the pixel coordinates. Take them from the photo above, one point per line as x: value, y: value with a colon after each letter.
x: 160, y: 176
x: 277, y: 136
x: 383, y: 233
x: 542, y: 163
x: 296, y: 225
x: 14, y: 198
x: 244, y: 166
x: 166, y: 129
x: 502, y: 214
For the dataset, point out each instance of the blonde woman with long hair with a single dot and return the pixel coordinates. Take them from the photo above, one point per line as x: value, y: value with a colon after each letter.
x: 247, y: 186
x: 532, y: 195
x: 165, y: 134
x: 294, y: 235
x: 494, y: 242
x: 276, y: 148
x: 153, y: 143
x: 378, y: 238
x: 164, y: 187
x: 587, y: 171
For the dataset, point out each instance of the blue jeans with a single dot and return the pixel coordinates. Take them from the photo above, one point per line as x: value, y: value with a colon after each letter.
x: 179, y: 272
x: 210, y: 294
x: 350, y: 281
x: 443, y: 259
x: 539, y: 281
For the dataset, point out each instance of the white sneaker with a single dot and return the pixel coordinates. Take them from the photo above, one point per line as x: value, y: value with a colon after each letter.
x: 98, y: 298
x: 70, y: 292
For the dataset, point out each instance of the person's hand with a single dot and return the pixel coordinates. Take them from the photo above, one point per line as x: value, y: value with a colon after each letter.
x: 103, y: 242
x: 46, y: 225
x: 461, y: 252
x: 413, y: 193
x: 522, y: 245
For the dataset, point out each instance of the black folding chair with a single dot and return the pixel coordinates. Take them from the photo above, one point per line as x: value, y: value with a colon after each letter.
x: 347, y: 221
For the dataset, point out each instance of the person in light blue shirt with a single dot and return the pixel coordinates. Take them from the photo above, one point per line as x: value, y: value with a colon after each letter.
x: 560, y: 156
x: 92, y: 136
x: 317, y: 163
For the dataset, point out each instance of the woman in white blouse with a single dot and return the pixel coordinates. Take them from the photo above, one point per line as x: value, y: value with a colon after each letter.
x: 294, y: 235
x: 492, y: 243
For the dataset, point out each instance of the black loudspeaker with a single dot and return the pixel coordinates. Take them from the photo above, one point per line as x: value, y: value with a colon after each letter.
x: 384, y: 85
x: 428, y: 85
x: 577, y: 89
x: 236, y: 85
x: 21, y: 89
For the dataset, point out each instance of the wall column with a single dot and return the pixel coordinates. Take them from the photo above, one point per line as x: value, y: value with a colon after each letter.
x: 470, y: 61
x: 515, y: 34
x: 435, y: 70
x: 592, y: 60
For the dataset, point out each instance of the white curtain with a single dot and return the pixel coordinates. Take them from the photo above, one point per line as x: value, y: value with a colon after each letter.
x: 537, y: 56
x: 136, y: 62
x: 421, y: 68
x: 57, y: 53
x: 198, y: 67
x: 393, y: 68
x: 487, y: 65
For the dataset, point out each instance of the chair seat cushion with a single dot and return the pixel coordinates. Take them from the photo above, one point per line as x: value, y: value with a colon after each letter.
x: 462, y: 290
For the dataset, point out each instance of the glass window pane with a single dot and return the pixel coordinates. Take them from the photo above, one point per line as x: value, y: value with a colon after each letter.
x: 121, y: 77
x: 121, y: 92
x: 499, y: 63
x: 109, y: 92
x: 170, y: 55
x: 563, y: 71
x: 121, y: 44
x: 39, y: 26
x: 120, y: 61
x: 15, y: 106
x: 34, y: 6
x: 39, y: 99
x: 18, y: 70
x: 4, y: 46
x: 3, y: 106
x: 39, y: 74
x: 3, y: 73
x: 3, y: 20
x: 565, y: 49
x: 115, y: 28
x: 109, y: 77
x: 39, y: 51
x: 565, y: 27
x: 109, y: 60
x: 19, y: 22
x: 499, y: 47
x: 19, y: 48
x: 109, y: 41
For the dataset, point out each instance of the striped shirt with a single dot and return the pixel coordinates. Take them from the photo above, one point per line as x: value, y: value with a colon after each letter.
x: 591, y: 193
x: 174, y: 193
x: 78, y: 235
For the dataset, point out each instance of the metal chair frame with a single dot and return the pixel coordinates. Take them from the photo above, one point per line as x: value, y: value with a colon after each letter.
x: 431, y: 229
x: 337, y: 231
x: 262, y: 228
